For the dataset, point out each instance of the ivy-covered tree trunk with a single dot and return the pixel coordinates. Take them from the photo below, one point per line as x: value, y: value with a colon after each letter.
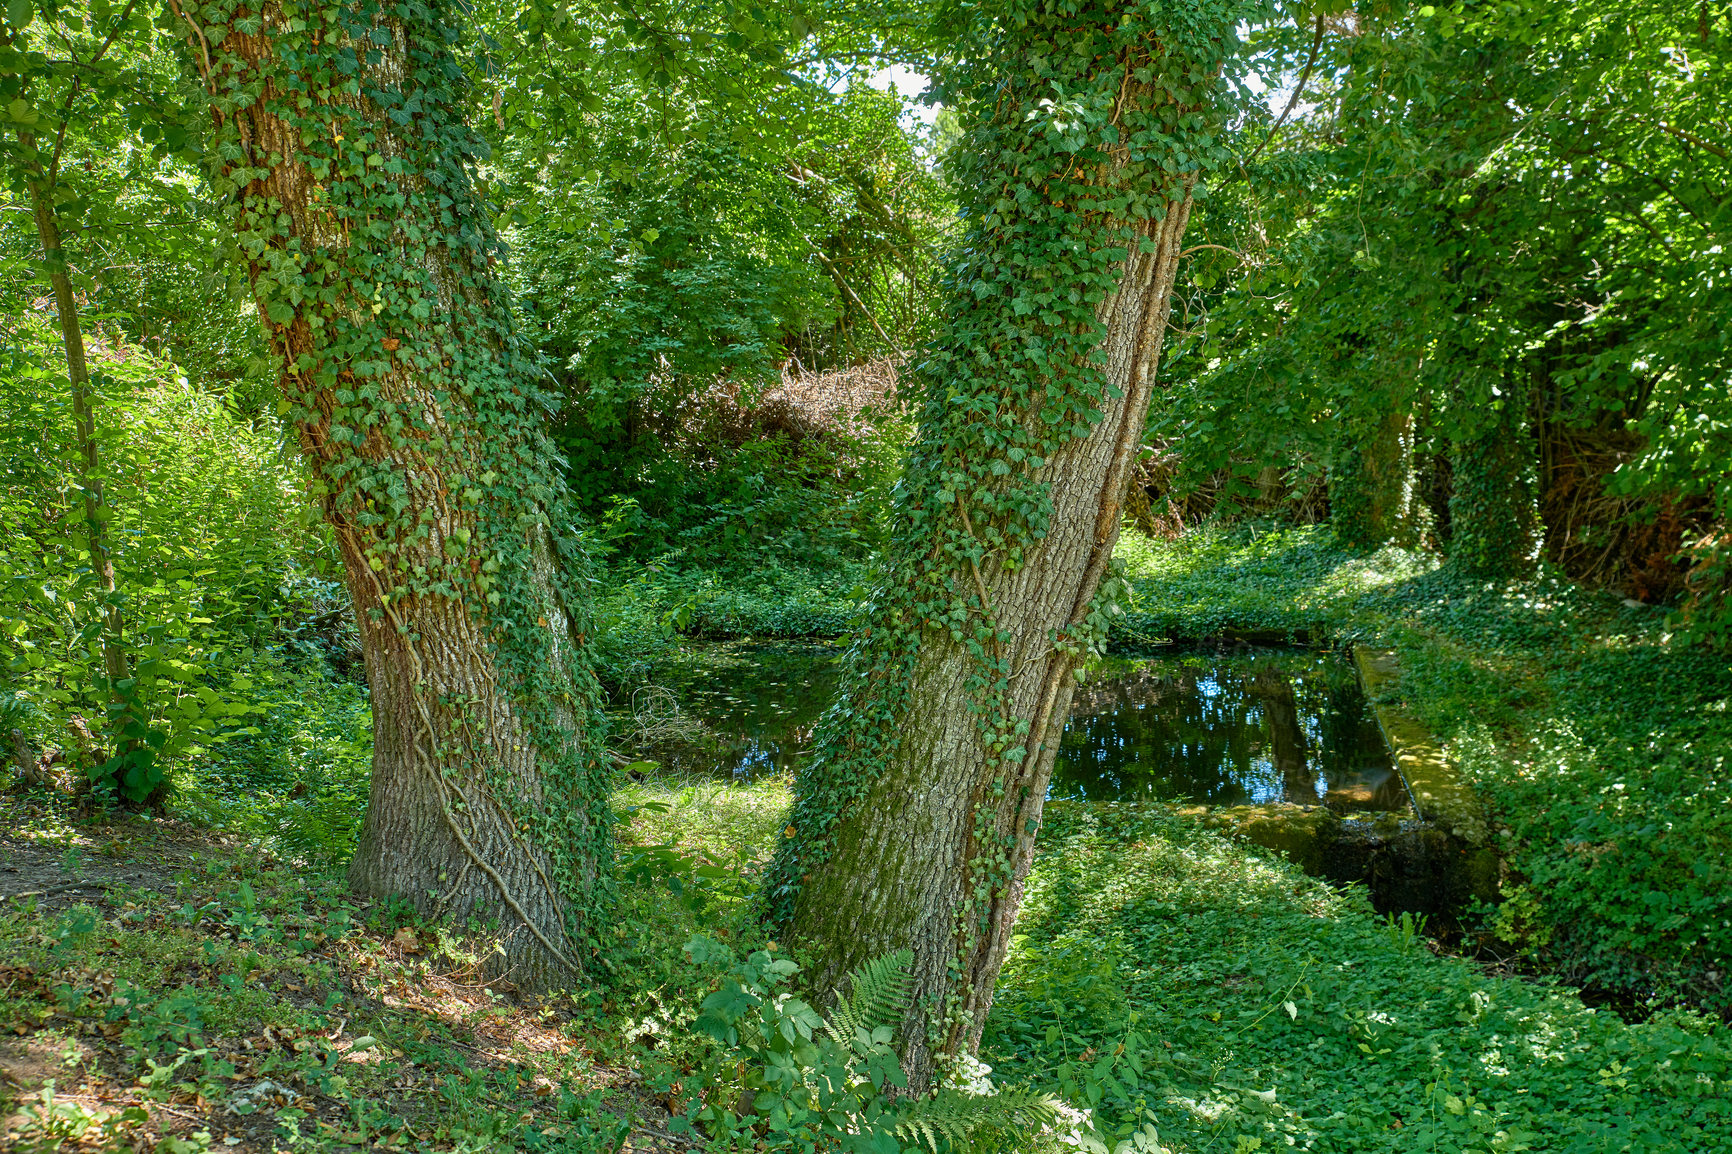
x: 342, y: 147
x: 1491, y: 506
x: 914, y: 825
x: 1371, y: 486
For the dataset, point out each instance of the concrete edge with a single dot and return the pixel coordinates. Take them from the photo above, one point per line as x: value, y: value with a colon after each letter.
x: 1439, y: 794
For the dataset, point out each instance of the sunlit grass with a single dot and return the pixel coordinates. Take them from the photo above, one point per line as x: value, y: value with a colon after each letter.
x: 724, y: 819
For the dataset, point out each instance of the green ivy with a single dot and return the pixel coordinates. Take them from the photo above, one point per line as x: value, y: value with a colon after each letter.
x: 1088, y: 123
x: 1491, y: 511
x: 444, y: 492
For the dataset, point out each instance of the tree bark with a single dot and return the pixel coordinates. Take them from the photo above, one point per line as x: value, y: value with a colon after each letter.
x: 341, y: 144
x: 915, y: 824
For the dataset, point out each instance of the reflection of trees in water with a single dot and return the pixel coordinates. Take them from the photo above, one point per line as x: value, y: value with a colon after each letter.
x: 1163, y: 732
x: 1222, y: 731
x: 1271, y: 685
x: 1352, y: 757
x: 760, y: 705
x: 1144, y: 686
x: 1225, y: 733
x: 760, y: 754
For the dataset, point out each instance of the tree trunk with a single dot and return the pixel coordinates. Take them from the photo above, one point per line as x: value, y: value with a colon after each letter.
x: 342, y: 148
x: 116, y: 670
x: 1371, y: 487
x: 1491, y: 505
x: 914, y: 825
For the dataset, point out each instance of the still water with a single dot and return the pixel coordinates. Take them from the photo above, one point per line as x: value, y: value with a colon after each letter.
x: 1217, y: 726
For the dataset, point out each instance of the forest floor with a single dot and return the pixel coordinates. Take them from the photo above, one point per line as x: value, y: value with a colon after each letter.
x: 171, y: 988
x: 190, y: 984
x: 183, y: 990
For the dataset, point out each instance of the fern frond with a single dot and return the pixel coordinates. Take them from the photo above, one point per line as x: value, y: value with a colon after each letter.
x: 954, y: 1116
x: 880, y: 992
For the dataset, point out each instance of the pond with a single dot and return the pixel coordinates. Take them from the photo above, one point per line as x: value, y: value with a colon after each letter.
x: 1220, y: 726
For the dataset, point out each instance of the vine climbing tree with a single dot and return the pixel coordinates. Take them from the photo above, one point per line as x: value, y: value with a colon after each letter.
x: 1092, y: 125
x: 346, y: 163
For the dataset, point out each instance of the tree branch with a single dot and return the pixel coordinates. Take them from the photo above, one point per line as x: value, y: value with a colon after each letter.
x: 1299, y: 89
x: 1692, y: 138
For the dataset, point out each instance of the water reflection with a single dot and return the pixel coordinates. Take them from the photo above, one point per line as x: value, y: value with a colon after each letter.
x: 1271, y: 685
x: 1227, y: 729
x: 758, y: 703
x: 1220, y: 728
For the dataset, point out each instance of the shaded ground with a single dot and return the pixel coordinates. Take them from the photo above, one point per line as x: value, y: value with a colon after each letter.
x: 60, y: 867
x: 164, y: 988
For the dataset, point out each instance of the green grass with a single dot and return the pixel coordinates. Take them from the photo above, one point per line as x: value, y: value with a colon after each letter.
x: 1282, y: 581
x: 1253, y: 1005
x: 1599, y: 744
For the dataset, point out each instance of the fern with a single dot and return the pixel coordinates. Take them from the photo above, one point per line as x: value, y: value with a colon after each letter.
x: 804, y: 1090
x: 953, y: 1116
x: 881, y: 991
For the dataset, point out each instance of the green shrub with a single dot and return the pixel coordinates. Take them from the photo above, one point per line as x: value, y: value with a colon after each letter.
x: 206, y: 522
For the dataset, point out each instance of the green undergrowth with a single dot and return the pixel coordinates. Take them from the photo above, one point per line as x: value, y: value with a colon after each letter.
x: 1598, y: 743
x: 645, y: 611
x: 1203, y: 996
x: 223, y: 992
x: 1277, y: 581
x: 241, y: 1002
x: 233, y: 999
x: 1163, y: 976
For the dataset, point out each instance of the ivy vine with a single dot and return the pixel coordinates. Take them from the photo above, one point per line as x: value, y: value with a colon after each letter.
x: 1088, y: 123
x: 341, y: 147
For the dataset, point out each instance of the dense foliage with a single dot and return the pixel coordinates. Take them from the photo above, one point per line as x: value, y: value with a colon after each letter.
x: 212, y: 536
x: 758, y: 352
x: 1485, y: 260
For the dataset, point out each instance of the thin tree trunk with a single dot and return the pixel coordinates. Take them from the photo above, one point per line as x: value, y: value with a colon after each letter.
x: 343, y: 148
x: 115, y: 667
x: 915, y: 824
